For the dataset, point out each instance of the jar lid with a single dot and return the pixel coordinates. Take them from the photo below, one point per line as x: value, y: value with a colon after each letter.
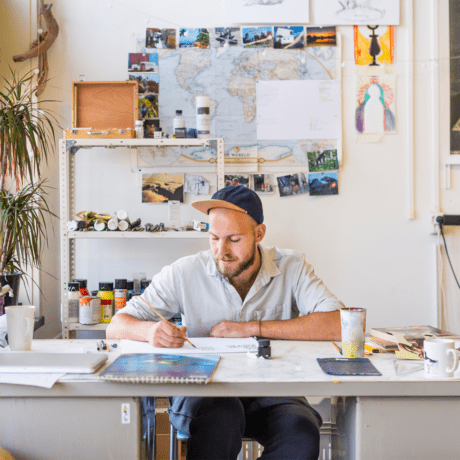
x: 120, y: 284
x: 83, y: 283
x: 73, y: 287
x: 105, y: 286
x: 178, y: 112
x: 145, y: 283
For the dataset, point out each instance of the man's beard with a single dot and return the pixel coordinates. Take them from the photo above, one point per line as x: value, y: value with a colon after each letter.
x: 233, y: 272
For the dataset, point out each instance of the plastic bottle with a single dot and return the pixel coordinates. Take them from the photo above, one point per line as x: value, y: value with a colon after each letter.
x: 73, y: 302
x: 139, y: 129
x: 120, y: 294
x: 107, y: 301
x: 179, y: 124
x: 202, y: 117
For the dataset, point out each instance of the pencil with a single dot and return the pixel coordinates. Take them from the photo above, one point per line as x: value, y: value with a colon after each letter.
x: 164, y: 319
x: 338, y: 348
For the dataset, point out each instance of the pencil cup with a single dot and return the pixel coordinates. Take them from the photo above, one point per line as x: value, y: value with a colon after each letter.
x: 441, y: 358
x: 353, y: 322
x: 20, y: 326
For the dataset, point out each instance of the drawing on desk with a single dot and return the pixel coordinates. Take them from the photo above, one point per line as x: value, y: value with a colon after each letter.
x: 161, y: 368
x: 202, y: 344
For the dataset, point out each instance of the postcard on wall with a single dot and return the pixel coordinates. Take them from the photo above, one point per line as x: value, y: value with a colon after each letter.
x: 322, y: 154
x: 160, y: 38
x: 266, y: 11
x: 160, y: 188
x: 374, y: 45
x: 148, y: 106
x: 221, y: 37
x: 323, y: 183
x: 302, y: 109
x: 257, y: 37
x: 263, y: 183
x: 148, y: 82
x: 195, y: 184
x: 194, y: 38
x: 143, y: 62
x: 303, y: 182
x: 289, y: 37
x: 237, y: 179
x: 150, y: 126
x: 356, y: 12
x: 321, y: 36
x: 290, y: 185
x: 375, y: 105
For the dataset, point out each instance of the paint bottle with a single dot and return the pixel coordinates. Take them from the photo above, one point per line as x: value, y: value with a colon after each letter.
x: 179, y: 125
x: 73, y: 298
x: 120, y: 294
x: 130, y: 289
x: 83, y: 286
x: 90, y: 310
x: 139, y: 129
x: 144, y: 285
x: 203, y: 118
x: 107, y: 301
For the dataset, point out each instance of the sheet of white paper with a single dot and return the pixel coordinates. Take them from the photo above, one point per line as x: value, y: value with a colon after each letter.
x: 202, y: 344
x: 37, y: 380
x: 266, y: 11
x: 301, y: 109
x: 338, y: 12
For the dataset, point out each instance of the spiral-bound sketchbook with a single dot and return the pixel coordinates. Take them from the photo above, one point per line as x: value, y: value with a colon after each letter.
x: 161, y: 368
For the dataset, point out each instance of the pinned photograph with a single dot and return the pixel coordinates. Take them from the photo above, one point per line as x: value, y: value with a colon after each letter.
x: 323, y: 183
x: 150, y: 126
x: 322, y: 155
x: 225, y: 36
x: 195, y: 184
x: 143, y: 62
x: 375, y: 111
x: 160, y: 38
x: 321, y: 36
x: 263, y: 183
x: 374, y: 45
x: 161, y: 188
x: 257, y: 37
x: 236, y: 179
x: 289, y: 37
x: 303, y: 181
x: 289, y: 185
x: 148, y: 106
x: 149, y: 83
x: 194, y: 38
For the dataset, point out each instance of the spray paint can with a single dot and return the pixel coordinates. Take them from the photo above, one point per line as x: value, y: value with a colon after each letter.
x: 83, y: 286
x: 90, y: 310
x: 121, y: 294
x: 107, y: 301
x: 203, y: 118
x: 130, y: 289
x: 73, y: 298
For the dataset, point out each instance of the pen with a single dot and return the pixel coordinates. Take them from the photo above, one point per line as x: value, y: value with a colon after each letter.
x: 164, y: 319
x: 371, y: 349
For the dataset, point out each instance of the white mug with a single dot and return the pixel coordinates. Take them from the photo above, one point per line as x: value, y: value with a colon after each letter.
x: 20, y: 324
x: 441, y: 358
x: 353, y: 322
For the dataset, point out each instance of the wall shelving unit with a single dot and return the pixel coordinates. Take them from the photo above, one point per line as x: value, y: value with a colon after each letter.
x: 68, y: 149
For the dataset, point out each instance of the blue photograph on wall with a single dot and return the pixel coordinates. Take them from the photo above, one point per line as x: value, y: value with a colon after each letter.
x: 323, y: 183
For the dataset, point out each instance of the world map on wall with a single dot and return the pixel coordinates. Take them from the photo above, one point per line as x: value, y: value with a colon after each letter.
x: 228, y: 77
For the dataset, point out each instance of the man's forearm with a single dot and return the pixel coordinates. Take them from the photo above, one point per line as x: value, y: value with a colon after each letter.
x: 124, y: 326
x: 315, y: 326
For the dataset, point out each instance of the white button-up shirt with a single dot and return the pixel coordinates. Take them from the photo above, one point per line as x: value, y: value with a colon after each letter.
x: 286, y: 287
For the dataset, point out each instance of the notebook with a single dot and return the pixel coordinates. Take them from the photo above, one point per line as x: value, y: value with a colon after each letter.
x: 26, y: 362
x: 161, y: 368
x: 347, y: 366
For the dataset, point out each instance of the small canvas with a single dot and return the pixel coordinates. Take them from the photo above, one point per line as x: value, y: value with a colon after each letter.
x: 374, y: 45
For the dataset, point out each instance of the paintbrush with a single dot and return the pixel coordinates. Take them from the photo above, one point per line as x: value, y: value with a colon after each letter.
x: 164, y: 319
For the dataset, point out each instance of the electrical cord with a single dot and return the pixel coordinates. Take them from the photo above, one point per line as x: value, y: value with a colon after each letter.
x: 447, y: 253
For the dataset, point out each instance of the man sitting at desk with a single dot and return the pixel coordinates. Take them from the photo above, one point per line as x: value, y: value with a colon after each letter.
x: 237, y: 289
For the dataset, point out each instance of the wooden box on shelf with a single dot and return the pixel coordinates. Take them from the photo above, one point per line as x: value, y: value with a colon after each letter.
x: 103, y: 109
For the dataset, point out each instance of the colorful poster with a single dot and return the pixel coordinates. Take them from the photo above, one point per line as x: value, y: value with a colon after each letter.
x: 375, y: 111
x: 374, y: 45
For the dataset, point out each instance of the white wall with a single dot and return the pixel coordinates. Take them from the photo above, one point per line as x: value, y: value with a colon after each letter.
x: 361, y: 242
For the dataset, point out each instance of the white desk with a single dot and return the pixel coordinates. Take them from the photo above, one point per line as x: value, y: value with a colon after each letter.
x: 389, y: 417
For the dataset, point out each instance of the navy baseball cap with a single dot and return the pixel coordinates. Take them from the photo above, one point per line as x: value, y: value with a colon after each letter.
x: 235, y: 197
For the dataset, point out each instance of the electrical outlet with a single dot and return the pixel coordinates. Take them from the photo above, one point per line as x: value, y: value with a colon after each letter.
x: 433, y: 224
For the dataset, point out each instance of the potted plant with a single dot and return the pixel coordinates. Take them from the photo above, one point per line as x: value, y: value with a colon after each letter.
x: 26, y: 137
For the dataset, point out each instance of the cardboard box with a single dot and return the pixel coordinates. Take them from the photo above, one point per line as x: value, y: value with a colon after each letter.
x: 162, y: 447
x: 105, y: 109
